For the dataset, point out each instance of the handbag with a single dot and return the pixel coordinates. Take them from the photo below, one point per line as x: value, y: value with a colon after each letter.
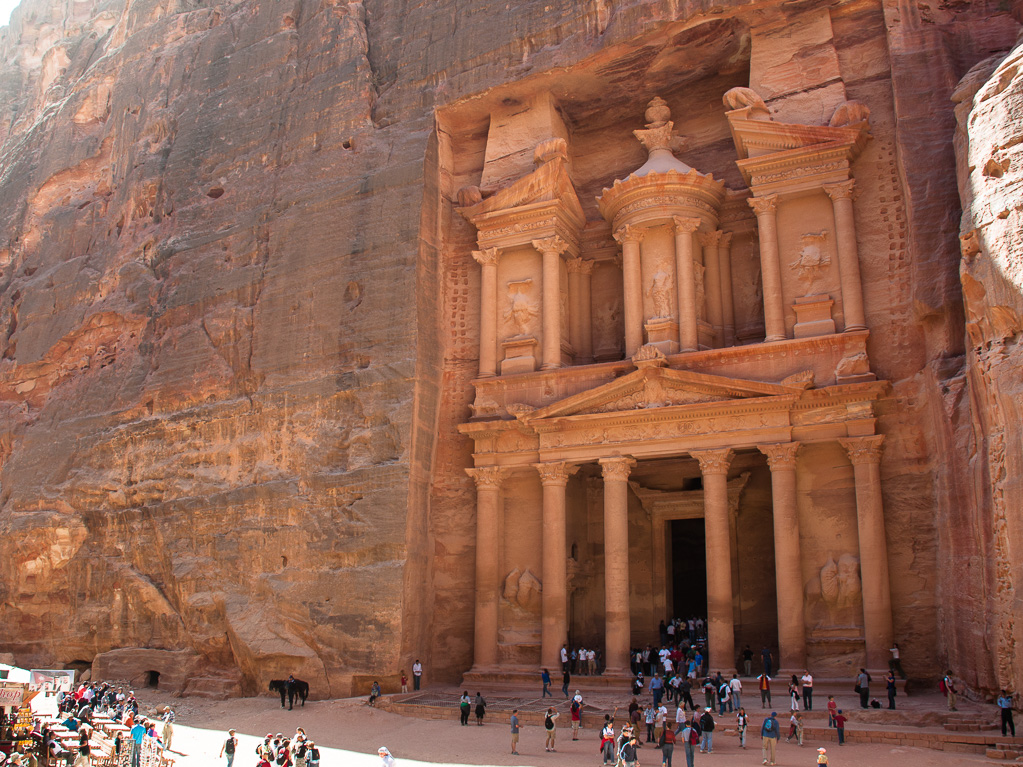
x: 856, y: 689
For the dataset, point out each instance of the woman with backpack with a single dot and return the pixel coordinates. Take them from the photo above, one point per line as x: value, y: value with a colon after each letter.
x: 551, y: 728
x: 741, y: 723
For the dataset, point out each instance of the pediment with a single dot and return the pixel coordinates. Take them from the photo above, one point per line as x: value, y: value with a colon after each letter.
x: 657, y: 387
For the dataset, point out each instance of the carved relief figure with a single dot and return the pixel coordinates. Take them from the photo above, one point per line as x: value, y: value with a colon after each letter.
x: 522, y: 589
x: 607, y: 321
x: 854, y: 364
x: 660, y: 293
x: 812, y: 260
x: 521, y: 310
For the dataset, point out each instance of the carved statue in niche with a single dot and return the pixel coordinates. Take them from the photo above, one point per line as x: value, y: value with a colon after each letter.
x: 521, y: 310
x: 607, y: 321
x: 853, y: 365
x: 834, y: 599
x: 660, y: 294
x: 522, y: 589
x: 812, y: 261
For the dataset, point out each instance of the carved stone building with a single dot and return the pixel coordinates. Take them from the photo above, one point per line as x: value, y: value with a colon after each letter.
x: 608, y: 473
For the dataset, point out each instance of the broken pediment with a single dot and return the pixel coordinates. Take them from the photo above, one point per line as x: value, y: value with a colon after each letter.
x: 655, y: 387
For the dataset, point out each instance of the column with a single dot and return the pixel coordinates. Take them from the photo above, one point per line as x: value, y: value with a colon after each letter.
x: 709, y: 240
x: 770, y: 267
x: 554, y: 604
x: 685, y: 283
x: 848, y: 254
x: 487, y: 259
x: 630, y: 237
x: 618, y: 627
x: 865, y: 454
x: 551, y: 249
x: 488, y: 502
x: 727, y: 304
x: 585, y: 349
x: 788, y: 569
x: 720, y: 617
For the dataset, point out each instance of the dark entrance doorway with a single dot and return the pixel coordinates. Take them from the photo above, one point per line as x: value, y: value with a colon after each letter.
x: 689, y: 567
x: 153, y: 679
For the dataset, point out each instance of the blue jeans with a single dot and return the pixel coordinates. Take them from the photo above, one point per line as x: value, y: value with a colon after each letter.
x: 230, y: 759
x: 736, y: 700
x: 546, y: 690
x: 658, y: 693
x: 689, y: 754
x: 721, y: 703
x: 707, y: 742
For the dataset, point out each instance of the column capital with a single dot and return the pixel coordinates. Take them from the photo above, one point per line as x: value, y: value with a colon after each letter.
x: 555, y: 472
x: 579, y: 265
x: 863, y: 450
x: 764, y: 205
x: 549, y: 244
x: 842, y: 190
x: 710, y: 239
x: 487, y: 256
x: 487, y: 477
x: 726, y: 239
x: 629, y: 233
x: 617, y: 467
x: 780, y: 456
x: 685, y: 225
x: 714, y: 461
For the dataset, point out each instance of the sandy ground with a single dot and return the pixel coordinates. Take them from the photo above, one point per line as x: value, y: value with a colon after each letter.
x: 349, y: 733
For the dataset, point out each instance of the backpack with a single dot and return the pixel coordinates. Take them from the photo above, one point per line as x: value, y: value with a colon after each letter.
x: 548, y: 723
x: 575, y: 706
x: 708, y: 723
x: 769, y: 725
x: 943, y: 687
x: 229, y: 746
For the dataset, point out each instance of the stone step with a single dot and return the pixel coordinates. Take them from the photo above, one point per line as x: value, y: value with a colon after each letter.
x: 1003, y: 753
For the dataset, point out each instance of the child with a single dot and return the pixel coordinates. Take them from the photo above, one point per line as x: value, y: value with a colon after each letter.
x: 822, y: 756
x: 840, y: 726
x: 404, y: 682
x: 799, y: 729
x: 832, y: 707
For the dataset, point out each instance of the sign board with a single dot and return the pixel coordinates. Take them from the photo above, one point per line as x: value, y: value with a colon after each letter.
x: 11, y: 695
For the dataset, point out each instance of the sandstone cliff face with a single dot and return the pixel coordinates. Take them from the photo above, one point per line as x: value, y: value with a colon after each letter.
x: 236, y: 344
x: 987, y: 538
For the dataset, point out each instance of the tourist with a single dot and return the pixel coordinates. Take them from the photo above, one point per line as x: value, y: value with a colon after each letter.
x: 228, y: 749
x: 582, y: 661
x: 649, y: 715
x: 638, y: 684
x: 264, y: 750
x: 607, y: 739
x: 840, y: 721
x: 724, y: 698
x: 628, y: 753
x: 514, y: 730
x: 480, y: 706
x: 735, y: 691
x: 765, y: 690
x: 707, y: 729
x: 550, y: 726
x: 807, y: 684
x: 765, y: 656
x: 404, y: 681
x: 374, y: 693
x: 312, y: 755
x: 464, y: 707
x: 545, y: 677
x: 949, y: 688
x: 741, y: 724
x: 832, y: 708
x: 822, y: 756
x: 660, y: 721
x: 168, y: 727
x: 385, y: 757
x: 138, y: 732
x: 667, y: 744
x: 691, y: 735
x: 565, y: 679
x: 577, y: 714
x: 564, y: 660
x: 1004, y: 703
x: 708, y: 691
x: 769, y: 733
x: 747, y: 661
x: 863, y: 687
x: 889, y: 681
x: 284, y: 754
x: 687, y: 694
x: 591, y: 660
x: 657, y: 689
x: 83, y: 748
x: 895, y: 664
x: 417, y: 675
x: 794, y: 694
x: 299, y: 749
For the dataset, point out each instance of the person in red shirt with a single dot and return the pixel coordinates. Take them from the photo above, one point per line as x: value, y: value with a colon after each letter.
x: 840, y: 726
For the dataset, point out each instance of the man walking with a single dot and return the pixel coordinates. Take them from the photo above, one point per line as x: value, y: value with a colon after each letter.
x: 168, y: 727
x: 545, y: 677
x: 736, y: 688
x: 1005, y: 706
x: 229, y: 747
x: 515, y: 730
x: 769, y: 733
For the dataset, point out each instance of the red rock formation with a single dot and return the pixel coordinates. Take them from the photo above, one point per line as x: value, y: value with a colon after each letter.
x: 238, y: 340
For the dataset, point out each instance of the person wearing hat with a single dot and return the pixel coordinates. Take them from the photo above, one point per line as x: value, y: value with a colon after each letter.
x: 707, y: 726
x: 385, y: 757
x: 822, y: 756
x: 229, y: 748
x: 769, y: 732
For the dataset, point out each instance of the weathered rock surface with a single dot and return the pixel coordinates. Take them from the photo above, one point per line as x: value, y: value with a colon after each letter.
x: 237, y: 340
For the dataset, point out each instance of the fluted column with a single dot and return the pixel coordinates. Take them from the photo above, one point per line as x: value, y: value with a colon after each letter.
x: 630, y: 237
x: 554, y: 604
x: 865, y: 454
x: 848, y: 254
x: 585, y: 348
x: 766, y: 209
x: 488, y: 503
x: 727, y: 303
x: 720, y: 616
x: 487, y: 259
x: 685, y: 228
x: 551, y: 249
x: 712, y: 275
x: 618, y: 627
x: 788, y: 570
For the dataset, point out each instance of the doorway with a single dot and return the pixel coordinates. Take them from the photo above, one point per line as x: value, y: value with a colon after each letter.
x: 153, y: 679
x: 689, y: 567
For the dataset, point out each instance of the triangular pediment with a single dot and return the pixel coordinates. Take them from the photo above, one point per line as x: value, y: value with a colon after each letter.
x: 656, y: 387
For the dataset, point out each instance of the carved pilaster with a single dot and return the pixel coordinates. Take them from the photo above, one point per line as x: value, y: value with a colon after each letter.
x: 770, y: 266
x: 630, y: 238
x: 551, y: 249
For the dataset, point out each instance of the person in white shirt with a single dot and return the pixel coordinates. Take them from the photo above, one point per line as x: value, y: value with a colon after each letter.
x: 564, y: 657
x: 736, y: 687
x: 417, y: 674
x: 807, y: 682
